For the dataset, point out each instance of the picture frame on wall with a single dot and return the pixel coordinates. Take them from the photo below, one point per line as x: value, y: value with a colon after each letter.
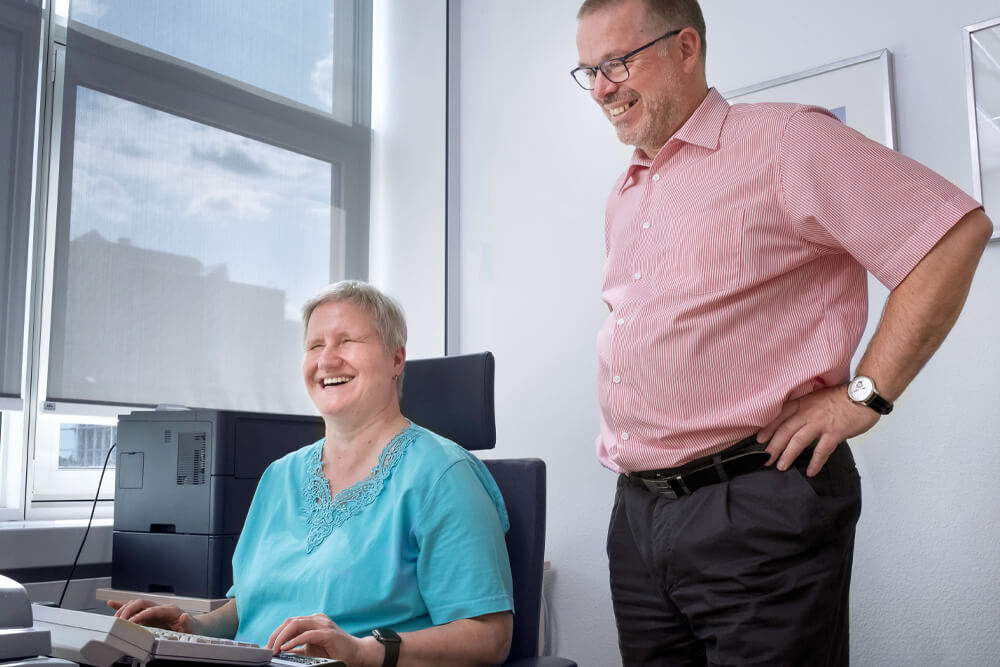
x: 857, y: 90
x: 982, y: 76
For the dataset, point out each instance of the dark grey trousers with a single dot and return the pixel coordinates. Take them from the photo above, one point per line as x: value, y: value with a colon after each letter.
x: 753, y: 571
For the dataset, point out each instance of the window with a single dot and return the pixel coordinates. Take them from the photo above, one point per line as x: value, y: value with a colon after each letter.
x: 70, y: 453
x: 179, y: 240
x: 205, y: 168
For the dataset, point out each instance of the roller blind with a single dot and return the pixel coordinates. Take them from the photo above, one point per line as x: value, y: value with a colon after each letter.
x: 214, y: 173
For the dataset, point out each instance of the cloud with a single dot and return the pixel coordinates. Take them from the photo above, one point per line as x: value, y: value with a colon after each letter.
x: 231, y: 205
x: 190, y: 189
x: 103, y: 196
x: 132, y: 149
x: 88, y: 11
x: 232, y: 158
x: 321, y: 80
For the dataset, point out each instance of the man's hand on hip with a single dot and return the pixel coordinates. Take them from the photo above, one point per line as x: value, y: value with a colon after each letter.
x: 826, y: 416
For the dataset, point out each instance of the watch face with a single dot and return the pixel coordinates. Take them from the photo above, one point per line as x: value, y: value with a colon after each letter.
x: 385, y: 635
x: 860, y: 389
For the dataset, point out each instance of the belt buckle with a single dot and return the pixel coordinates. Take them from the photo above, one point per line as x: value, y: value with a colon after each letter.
x: 672, y: 487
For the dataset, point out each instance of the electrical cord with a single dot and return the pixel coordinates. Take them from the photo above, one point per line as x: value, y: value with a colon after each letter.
x: 93, y: 507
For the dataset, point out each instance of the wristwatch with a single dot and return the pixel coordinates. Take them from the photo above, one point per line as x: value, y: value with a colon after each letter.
x: 388, y: 638
x: 862, y: 391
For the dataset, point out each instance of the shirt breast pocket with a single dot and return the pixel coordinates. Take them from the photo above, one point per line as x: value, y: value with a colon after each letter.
x: 702, y: 254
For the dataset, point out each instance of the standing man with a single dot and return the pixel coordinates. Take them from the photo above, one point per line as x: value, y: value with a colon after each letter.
x: 738, y: 240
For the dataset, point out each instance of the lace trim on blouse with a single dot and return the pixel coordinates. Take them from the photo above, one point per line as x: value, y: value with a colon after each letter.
x: 324, y: 513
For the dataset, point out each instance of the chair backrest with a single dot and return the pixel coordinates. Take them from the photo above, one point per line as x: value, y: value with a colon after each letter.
x: 522, y: 483
x: 453, y: 396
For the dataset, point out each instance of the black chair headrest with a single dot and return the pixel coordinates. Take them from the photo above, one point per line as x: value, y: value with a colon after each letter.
x: 452, y: 396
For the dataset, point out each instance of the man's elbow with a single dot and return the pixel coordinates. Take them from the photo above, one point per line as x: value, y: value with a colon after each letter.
x: 960, y: 249
x: 978, y: 228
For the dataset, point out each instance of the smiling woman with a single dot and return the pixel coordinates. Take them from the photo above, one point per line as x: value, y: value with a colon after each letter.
x: 382, y: 537
x: 352, y: 370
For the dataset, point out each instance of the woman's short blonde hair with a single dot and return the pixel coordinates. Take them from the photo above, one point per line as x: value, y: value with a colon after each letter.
x: 390, y: 323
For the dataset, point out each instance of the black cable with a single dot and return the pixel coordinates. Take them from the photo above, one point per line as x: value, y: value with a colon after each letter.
x: 87, y: 531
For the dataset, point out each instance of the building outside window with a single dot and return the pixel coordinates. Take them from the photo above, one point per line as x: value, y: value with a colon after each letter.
x: 85, y: 445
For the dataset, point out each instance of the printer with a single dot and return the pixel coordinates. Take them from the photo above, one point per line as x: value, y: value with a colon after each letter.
x: 21, y: 643
x: 185, y: 479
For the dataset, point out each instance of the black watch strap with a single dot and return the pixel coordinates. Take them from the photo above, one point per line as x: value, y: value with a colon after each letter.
x: 862, y: 391
x: 879, y: 404
x: 388, y: 638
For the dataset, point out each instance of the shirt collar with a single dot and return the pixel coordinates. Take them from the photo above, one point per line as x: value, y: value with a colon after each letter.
x: 703, y: 128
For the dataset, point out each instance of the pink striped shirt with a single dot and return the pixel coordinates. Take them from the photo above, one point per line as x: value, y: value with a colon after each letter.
x: 735, y: 272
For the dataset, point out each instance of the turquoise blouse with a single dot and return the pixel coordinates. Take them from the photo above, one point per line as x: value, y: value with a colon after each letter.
x: 418, y: 542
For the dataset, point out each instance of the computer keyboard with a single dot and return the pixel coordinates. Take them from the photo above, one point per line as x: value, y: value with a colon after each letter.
x: 173, y: 635
x: 173, y: 645
x: 295, y: 660
x: 283, y: 659
x: 99, y: 640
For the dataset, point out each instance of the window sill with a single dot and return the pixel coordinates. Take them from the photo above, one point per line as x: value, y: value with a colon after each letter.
x: 53, y: 543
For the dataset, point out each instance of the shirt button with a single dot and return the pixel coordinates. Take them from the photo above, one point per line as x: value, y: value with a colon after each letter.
x: 621, y: 321
x: 645, y: 225
x: 616, y: 379
x: 656, y: 177
x: 637, y: 275
x: 624, y: 435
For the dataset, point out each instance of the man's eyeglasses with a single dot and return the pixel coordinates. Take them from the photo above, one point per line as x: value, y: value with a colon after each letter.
x: 614, y: 70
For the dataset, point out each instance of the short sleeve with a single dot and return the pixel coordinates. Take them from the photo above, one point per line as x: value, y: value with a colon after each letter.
x: 250, y: 535
x: 846, y: 192
x: 462, y: 567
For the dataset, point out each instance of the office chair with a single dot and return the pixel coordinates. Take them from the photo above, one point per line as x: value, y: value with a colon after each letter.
x: 453, y: 396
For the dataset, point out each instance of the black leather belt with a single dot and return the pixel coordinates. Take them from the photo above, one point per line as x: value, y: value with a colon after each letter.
x: 744, y: 457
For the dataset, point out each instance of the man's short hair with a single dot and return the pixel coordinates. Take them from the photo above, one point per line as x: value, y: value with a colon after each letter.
x: 673, y: 14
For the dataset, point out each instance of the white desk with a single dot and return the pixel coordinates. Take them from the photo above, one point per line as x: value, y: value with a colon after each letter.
x: 190, y: 605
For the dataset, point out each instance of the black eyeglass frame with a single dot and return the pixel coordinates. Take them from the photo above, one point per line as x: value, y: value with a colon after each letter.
x: 622, y: 59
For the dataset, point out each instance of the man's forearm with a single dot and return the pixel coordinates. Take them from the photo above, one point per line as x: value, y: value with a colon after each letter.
x: 923, y: 308
x: 918, y: 315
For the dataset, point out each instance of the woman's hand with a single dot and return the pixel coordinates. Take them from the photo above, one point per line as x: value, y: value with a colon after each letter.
x: 317, y: 635
x: 144, y: 612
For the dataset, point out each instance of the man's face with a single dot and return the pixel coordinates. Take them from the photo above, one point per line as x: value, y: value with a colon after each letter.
x: 645, y: 109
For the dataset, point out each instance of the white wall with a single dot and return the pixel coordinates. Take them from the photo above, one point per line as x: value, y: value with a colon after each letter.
x: 407, y: 252
x: 537, y: 161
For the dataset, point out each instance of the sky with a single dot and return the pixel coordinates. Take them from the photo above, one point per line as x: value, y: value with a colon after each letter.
x: 171, y: 184
x: 158, y: 181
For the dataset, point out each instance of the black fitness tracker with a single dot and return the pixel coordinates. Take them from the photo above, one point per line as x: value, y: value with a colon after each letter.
x: 388, y: 638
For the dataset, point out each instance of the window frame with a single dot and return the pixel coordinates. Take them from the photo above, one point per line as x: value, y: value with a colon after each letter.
x: 26, y: 23
x: 31, y: 23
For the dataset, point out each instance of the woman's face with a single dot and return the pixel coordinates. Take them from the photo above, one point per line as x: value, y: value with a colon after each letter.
x: 347, y: 370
